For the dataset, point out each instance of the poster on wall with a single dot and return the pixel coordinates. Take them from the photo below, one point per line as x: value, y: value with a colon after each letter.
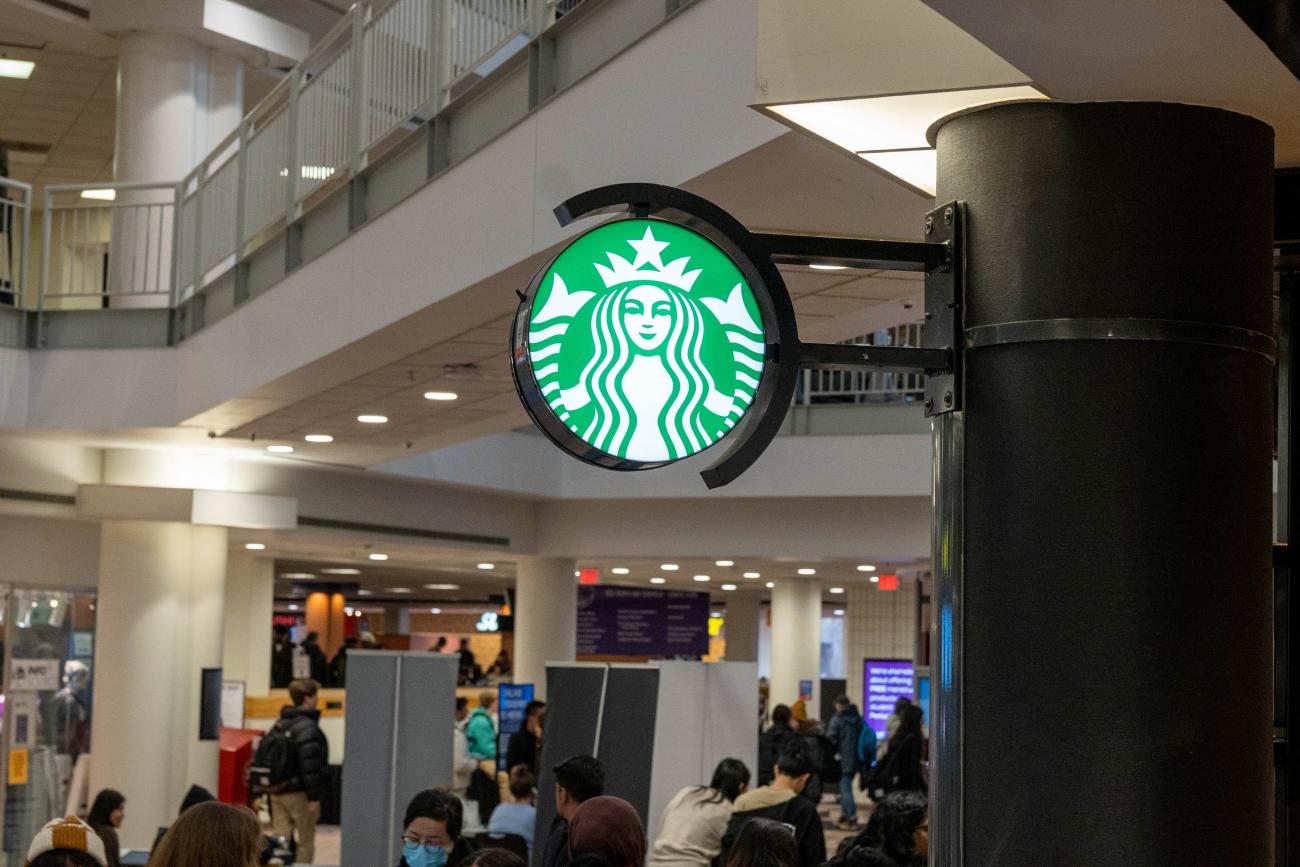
x: 35, y: 674
x: 627, y: 621
x: 512, y: 699
x: 232, y: 704
x: 884, y: 682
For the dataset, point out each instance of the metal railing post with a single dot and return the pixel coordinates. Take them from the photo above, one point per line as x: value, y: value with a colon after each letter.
x: 293, y: 162
x: 360, y: 102
x: 445, y: 30
x: 241, y: 189
x: 178, y: 208
x: 540, y: 13
x: 47, y: 227
x: 196, y: 250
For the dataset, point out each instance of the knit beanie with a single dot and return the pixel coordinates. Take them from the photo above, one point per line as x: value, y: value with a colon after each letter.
x: 70, y: 833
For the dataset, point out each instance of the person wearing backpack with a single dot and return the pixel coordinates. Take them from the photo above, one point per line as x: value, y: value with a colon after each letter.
x: 867, y: 743
x: 290, y: 765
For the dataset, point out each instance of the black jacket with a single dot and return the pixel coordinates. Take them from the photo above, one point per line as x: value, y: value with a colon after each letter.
x: 770, y: 745
x: 522, y: 750
x: 313, y: 750
x: 809, y: 837
x: 906, y: 758
x: 281, y: 664
x: 320, y: 665
x: 555, y: 850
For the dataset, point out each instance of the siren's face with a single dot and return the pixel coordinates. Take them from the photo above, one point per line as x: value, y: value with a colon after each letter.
x: 647, y: 316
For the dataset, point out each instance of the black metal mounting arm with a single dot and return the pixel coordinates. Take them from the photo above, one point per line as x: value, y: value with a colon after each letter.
x: 867, y: 253
x: 903, y: 359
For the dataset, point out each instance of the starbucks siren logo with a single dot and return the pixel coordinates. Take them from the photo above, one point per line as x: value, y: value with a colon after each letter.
x: 643, y: 360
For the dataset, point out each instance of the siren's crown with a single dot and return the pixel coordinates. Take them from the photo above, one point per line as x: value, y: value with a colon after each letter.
x: 649, y: 252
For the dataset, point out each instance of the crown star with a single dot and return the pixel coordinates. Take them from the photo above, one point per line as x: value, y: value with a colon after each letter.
x: 649, y: 253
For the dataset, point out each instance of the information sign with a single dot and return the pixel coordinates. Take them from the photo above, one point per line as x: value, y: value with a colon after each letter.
x: 512, y: 699
x: 641, y: 344
x: 36, y: 674
x: 884, y: 682
x: 627, y: 621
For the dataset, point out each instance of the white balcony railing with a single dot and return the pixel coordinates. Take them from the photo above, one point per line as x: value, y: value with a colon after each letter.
x: 15, y: 239
x: 857, y: 387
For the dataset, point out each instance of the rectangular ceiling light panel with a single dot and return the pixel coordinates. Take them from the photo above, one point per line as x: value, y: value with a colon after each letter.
x: 10, y: 68
x: 889, y: 131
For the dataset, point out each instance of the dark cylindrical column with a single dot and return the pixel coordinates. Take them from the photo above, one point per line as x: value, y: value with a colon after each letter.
x: 1116, y: 596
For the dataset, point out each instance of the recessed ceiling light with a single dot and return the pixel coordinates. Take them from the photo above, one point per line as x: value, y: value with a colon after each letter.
x: 866, y: 567
x: 837, y: 590
x: 297, y: 576
x: 716, y: 615
x: 342, y: 570
x: 728, y: 586
x: 807, y: 571
x: 372, y: 419
x: 669, y: 567
x: 378, y: 556
x: 620, y: 570
x: 724, y: 563
x: 821, y: 267
x: 753, y: 575
x: 10, y: 68
x: 487, y: 565
x: 365, y: 592
x: 839, y: 612
x: 658, y: 580
x: 440, y: 395
x: 293, y: 607
x: 441, y: 586
x: 702, y: 578
x: 319, y: 438
x: 254, y: 546
x: 399, y: 589
x: 435, y: 610
x: 875, y: 579
x: 769, y: 585
x: 280, y: 450
x: 101, y: 195
x: 54, y: 603
x: 348, y: 611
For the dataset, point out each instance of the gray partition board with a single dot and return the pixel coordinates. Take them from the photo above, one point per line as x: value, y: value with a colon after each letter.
x: 396, y: 704
x: 575, y: 694
x: 628, y: 747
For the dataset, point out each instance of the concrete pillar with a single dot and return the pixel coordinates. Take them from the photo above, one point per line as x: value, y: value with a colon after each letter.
x: 742, y: 627
x: 225, y: 97
x: 546, y: 617
x: 159, y: 624
x: 796, y: 641
x: 249, y: 606
x: 878, y: 624
x: 161, y: 106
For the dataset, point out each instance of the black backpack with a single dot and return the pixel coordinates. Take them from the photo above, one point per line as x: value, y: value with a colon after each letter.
x: 275, y: 764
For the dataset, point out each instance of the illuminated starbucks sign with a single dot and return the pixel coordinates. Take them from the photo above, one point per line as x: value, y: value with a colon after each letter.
x: 654, y: 336
x: 643, y: 342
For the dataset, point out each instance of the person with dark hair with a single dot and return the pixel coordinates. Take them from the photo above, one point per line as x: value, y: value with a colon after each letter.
x: 106, y: 815
x: 495, y: 857
x: 763, y: 843
x: 781, y: 802
x: 66, y: 842
x: 606, y: 832
x: 696, y: 818
x: 844, y: 731
x: 339, y: 664
x: 577, y: 780
x: 211, y: 834
x: 525, y: 746
x: 521, y: 816
x: 772, y: 742
x: 898, y: 832
x: 296, y: 804
x: 432, y: 835
x: 316, y: 658
x: 900, y: 770
x: 281, y: 657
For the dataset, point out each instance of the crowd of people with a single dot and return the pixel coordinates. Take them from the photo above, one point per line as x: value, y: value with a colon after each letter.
x: 487, y: 818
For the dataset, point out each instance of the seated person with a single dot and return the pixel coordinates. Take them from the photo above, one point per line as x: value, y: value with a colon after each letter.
x: 432, y: 831
x: 519, y: 817
x: 780, y: 801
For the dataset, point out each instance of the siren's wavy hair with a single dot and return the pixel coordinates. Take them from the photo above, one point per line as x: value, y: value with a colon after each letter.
x: 679, y: 424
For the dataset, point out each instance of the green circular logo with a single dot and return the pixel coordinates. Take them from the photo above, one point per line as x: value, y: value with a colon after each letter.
x: 644, y: 340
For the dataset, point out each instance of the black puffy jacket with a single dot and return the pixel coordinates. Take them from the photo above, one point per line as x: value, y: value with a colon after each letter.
x: 313, y: 750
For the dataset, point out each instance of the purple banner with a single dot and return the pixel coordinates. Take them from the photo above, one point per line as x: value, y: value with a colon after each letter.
x: 885, y: 681
x: 626, y: 621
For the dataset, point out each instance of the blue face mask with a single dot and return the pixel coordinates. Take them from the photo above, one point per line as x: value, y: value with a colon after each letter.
x: 423, y: 856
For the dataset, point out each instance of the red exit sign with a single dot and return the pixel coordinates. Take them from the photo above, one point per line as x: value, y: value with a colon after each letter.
x: 588, y: 576
x: 888, y: 582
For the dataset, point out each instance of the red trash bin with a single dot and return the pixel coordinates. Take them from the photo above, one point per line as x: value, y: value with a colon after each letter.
x: 236, y: 753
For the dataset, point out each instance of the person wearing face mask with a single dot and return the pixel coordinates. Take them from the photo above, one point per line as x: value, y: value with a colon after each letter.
x: 432, y: 831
